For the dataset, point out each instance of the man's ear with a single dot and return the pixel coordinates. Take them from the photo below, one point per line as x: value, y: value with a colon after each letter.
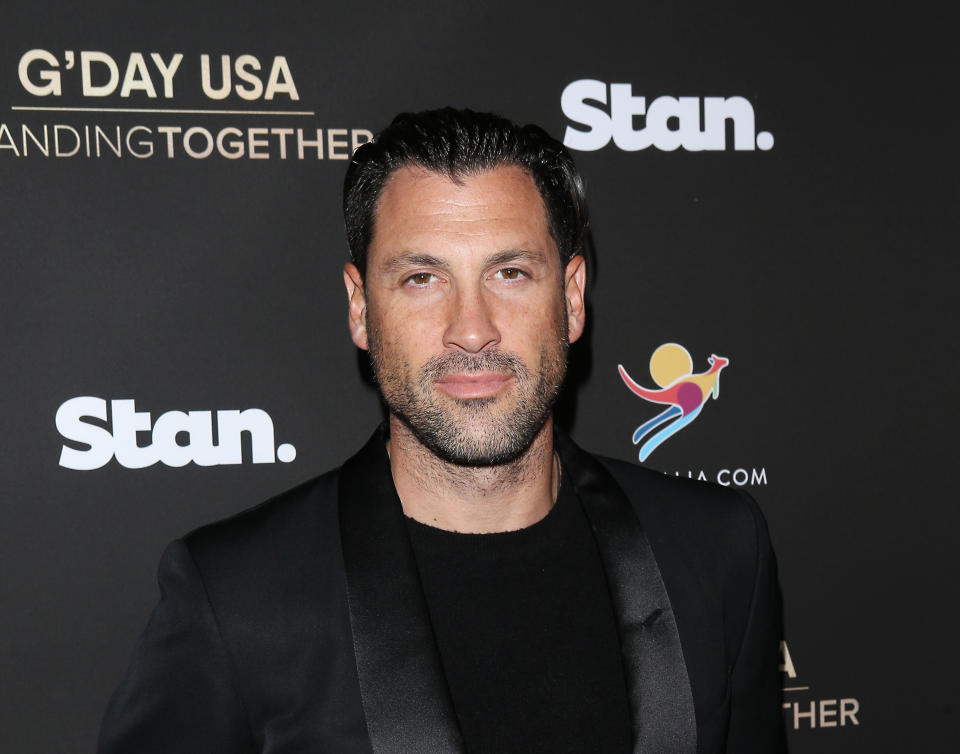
x: 356, y: 305
x: 574, y: 288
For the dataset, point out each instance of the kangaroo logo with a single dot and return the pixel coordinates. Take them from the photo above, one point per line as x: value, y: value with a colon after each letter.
x: 684, y: 392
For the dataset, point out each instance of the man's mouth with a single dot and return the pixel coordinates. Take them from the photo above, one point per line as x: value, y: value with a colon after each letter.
x: 465, y: 385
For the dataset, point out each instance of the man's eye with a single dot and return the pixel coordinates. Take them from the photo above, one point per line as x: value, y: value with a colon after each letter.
x: 420, y: 278
x: 510, y: 273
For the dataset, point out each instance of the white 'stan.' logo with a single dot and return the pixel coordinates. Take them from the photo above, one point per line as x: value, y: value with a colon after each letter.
x: 803, y: 712
x: 133, y: 99
x: 602, y: 113
x: 176, y: 437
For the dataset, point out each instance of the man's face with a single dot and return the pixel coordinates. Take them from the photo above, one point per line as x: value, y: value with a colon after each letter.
x: 466, y: 311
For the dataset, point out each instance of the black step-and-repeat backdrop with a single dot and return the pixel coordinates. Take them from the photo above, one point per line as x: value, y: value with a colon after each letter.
x: 774, y: 201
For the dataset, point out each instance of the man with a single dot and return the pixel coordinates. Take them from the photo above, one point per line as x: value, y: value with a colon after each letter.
x: 471, y: 580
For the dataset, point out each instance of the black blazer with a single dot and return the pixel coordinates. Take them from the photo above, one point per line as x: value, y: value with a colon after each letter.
x: 300, y: 625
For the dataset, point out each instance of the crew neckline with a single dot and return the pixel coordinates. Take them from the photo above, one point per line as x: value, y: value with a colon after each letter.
x: 527, y: 540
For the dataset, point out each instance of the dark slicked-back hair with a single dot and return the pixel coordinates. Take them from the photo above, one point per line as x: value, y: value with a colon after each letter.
x: 457, y: 144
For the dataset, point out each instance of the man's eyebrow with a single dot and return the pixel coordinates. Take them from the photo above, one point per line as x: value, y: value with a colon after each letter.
x: 409, y: 259
x: 517, y: 255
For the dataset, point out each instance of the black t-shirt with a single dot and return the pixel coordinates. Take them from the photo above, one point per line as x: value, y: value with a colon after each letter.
x: 527, y: 635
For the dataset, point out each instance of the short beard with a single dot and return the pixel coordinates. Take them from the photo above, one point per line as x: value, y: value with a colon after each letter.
x: 503, y: 437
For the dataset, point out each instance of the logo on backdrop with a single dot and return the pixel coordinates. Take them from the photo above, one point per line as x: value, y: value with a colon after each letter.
x: 135, y: 101
x: 837, y: 712
x: 602, y: 113
x: 683, y: 392
x: 176, y: 437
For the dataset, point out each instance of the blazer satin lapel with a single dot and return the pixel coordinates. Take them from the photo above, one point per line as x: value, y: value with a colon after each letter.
x: 661, y: 702
x: 405, y: 697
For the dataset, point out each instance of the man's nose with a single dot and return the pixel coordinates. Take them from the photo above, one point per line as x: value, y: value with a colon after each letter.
x: 471, y: 327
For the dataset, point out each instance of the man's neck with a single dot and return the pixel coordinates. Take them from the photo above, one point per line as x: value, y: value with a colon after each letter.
x: 473, y: 499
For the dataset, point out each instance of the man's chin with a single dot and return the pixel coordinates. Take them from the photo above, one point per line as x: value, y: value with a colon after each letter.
x: 472, y: 443
x: 475, y: 456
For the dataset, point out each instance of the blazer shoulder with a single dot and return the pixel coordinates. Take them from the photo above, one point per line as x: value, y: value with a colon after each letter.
x: 305, y: 505
x: 294, y: 532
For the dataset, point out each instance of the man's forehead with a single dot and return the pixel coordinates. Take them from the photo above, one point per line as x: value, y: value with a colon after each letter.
x: 426, y: 213
x: 416, y: 183
x: 417, y: 201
